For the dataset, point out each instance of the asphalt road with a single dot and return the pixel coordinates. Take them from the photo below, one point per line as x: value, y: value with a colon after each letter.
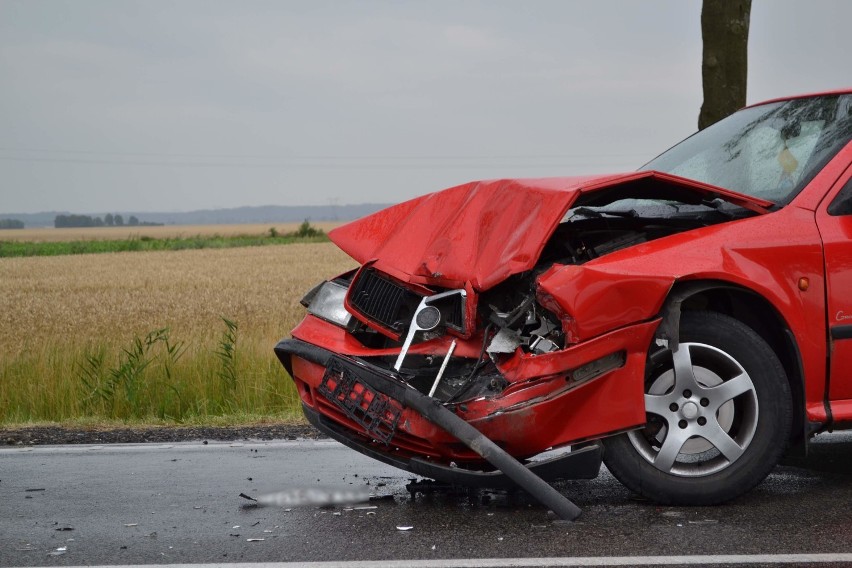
x: 179, y: 503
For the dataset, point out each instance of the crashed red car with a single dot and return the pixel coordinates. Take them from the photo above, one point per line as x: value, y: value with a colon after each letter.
x: 686, y: 322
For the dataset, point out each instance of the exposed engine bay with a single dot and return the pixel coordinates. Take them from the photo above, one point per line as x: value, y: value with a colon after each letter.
x: 509, y: 318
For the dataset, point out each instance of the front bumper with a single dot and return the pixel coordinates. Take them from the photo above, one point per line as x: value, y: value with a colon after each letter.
x: 537, y: 412
x: 582, y: 463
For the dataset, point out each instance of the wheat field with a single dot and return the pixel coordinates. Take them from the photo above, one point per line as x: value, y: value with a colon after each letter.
x: 57, y: 313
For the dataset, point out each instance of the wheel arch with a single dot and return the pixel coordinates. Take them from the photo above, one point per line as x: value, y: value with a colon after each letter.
x: 756, y: 312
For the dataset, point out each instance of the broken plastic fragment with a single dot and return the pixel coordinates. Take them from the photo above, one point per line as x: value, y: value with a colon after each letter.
x: 381, y: 497
x: 244, y: 496
x: 255, y: 539
x: 404, y: 528
x: 131, y: 524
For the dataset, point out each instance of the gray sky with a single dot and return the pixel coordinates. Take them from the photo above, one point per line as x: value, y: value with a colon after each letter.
x: 171, y: 106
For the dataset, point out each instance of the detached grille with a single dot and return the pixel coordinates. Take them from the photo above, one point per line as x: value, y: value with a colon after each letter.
x: 383, y: 300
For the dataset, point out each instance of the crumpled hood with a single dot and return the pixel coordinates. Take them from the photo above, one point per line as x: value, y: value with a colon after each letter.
x: 480, y: 233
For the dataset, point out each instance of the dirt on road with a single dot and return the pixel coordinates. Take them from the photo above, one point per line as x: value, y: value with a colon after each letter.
x: 43, y: 435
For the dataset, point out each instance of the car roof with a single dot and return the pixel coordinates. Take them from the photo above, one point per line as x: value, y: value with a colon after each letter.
x: 845, y: 91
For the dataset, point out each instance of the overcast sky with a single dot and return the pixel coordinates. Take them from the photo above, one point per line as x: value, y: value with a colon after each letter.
x: 172, y: 106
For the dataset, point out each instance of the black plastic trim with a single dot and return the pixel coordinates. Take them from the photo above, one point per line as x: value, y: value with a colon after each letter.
x: 841, y: 332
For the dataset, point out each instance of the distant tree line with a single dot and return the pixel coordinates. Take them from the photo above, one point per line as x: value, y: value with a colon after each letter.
x: 109, y: 220
x: 11, y: 224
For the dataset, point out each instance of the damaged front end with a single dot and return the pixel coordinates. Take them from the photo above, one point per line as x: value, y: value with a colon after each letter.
x: 478, y: 317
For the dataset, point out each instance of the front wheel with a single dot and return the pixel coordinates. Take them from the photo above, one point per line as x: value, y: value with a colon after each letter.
x: 719, y: 415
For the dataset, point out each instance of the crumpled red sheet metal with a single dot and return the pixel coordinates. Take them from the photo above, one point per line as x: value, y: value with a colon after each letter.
x: 481, y: 233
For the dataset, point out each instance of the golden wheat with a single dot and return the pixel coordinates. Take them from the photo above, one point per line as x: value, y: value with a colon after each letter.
x: 119, y: 295
x: 54, y: 311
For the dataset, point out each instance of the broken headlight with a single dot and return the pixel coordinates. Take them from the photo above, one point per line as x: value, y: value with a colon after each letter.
x: 325, y: 301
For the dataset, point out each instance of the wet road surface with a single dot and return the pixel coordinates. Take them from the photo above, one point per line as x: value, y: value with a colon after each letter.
x: 179, y: 503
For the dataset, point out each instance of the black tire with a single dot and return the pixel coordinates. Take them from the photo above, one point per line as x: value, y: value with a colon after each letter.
x: 718, y: 356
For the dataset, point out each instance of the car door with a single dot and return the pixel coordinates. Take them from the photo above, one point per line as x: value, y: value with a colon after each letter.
x: 834, y: 218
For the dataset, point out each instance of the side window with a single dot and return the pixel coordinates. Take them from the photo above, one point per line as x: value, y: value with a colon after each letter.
x: 842, y: 204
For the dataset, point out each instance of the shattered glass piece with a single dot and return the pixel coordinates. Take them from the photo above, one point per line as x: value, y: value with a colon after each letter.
x: 505, y: 341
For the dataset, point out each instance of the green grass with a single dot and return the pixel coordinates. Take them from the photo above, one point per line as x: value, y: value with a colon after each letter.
x: 155, y: 379
x: 26, y: 248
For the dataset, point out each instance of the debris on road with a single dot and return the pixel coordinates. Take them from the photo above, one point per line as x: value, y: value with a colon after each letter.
x: 316, y: 496
x: 404, y: 528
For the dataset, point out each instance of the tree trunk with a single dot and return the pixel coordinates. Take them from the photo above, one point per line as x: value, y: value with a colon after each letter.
x: 724, y: 65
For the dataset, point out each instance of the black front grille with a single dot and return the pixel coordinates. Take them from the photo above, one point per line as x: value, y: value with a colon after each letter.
x: 383, y: 300
x: 454, y: 312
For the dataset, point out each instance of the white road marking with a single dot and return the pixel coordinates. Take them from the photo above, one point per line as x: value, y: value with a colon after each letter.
x: 562, y: 561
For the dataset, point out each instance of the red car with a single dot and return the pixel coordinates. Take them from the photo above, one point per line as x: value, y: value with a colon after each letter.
x: 685, y: 323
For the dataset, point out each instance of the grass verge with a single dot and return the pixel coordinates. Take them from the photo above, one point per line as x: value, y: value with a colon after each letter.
x: 304, y: 234
x: 153, y: 379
